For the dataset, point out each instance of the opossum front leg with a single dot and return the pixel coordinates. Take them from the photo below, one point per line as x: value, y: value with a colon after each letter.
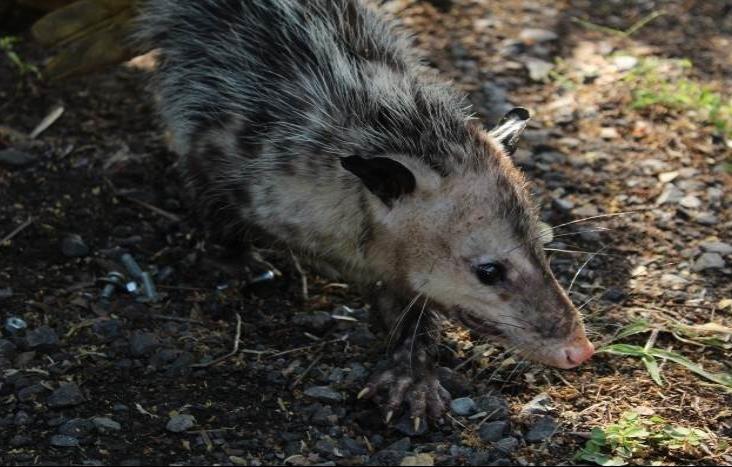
x: 412, y: 376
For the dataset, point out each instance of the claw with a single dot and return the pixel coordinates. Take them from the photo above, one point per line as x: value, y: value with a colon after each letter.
x: 363, y: 392
x: 389, y: 414
x: 416, y: 424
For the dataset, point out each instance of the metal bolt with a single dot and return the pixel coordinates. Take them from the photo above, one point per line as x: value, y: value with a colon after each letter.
x: 132, y: 267
x: 14, y: 324
x: 114, y: 280
x: 148, y: 286
x: 132, y: 287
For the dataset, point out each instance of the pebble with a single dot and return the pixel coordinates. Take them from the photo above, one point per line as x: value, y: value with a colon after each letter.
x: 420, y: 459
x: 667, y: 177
x: 463, y: 406
x: 542, y: 404
x: 609, y: 133
x: 64, y: 441
x: 143, y: 343
x: 538, y: 69
x: 316, y: 320
x: 73, y: 246
x: 496, y: 407
x: 670, y: 194
x: 67, y: 395
x: 588, y: 210
x: 624, y: 62
x: 507, y: 445
x: 76, y: 427
x: 15, y: 158
x: 717, y: 247
x: 669, y: 280
x: 614, y: 295
x: 405, y: 425
x: 493, y: 431
x: 542, y: 429
x: 29, y: 393
x: 690, y: 202
x: 324, y: 394
x: 105, y: 424
x: 562, y: 204
x: 706, y: 218
x: 18, y: 441
x: 180, y: 423
x: 534, y: 35
x: 108, y: 329
x: 708, y: 261
x: 42, y: 338
x: 7, y: 347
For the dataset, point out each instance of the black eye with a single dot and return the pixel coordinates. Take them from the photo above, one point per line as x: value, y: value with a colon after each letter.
x: 490, y: 273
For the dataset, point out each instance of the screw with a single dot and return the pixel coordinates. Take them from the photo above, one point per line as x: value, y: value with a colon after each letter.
x: 132, y: 267
x: 113, y: 280
x: 14, y: 325
x: 148, y: 286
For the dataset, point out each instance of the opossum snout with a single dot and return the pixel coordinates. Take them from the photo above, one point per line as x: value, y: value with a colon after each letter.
x: 570, y: 354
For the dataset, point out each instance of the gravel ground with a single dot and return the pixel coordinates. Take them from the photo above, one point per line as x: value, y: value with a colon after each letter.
x: 129, y: 380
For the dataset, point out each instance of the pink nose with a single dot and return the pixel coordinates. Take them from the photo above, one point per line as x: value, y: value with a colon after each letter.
x: 580, y: 351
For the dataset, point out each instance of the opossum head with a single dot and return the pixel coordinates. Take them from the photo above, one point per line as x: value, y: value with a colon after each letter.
x: 470, y: 244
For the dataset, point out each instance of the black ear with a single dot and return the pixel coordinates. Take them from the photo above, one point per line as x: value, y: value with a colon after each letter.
x: 509, y: 129
x: 384, y: 177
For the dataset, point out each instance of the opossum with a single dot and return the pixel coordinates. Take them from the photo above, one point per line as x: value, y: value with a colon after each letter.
x: 317, y: 122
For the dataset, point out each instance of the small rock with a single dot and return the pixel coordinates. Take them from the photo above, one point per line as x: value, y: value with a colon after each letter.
x: 690, y: 202
x: 19, y: 441
x: 667, y: 177
x: 7, y: 347
x: 29, y: 393
x: 706, y: 218
x: 387, y: 457
x: 108, y: 329
x: 180, y: 423
x: 562, y: 204
x: 328, y: 446
x: 324, y: 394
x: 105, y: 424
x: 463, y: 406
x: 538, y: 69
x: 42, y: 338
x: 14, y: 158
x: 455, y: 383
x: 534, y: 35
x: 539, y: 405
x: 588, y: 210
x: 614, y: 295
x: 669, y: 280
x: 73, y: 246
x: 496, y: 407
x: 404, y: 444
x: 708, y: 261
x: 624, y: 62
x: 609, y: 133
x: 143, y: 343
x: 717, y: 247
x: 507, y: 445
x: 76, y: 427
x: 316, y: 320
x: 493, y: 431
x: 541, y: 430
x: 64, y: 441
x: 419, y: 459
x: 67, y: 395
x: 670, y: 194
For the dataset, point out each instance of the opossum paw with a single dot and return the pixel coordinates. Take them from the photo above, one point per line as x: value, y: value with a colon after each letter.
x: 423, y: 393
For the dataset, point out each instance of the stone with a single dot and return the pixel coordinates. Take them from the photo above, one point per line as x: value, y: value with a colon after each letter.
x: 708, y: 261
x: 717, y: 247
x: 463, y: 406
x: 496, y: 407
x: 542, y: 404
x: 669, y: 280
x: 670, y: 194
x: 30, y: 393
x: 493, y: 431
x: 624, y: 62
x: 19, y: 441
x: 542, y: 429
x: 316, y: 320
x: 405, y: 425
x: 706, y: 218
x: 614, y: 295
x: 180, y: 423
x: 588, y: 210
x: 7, y: 347
x: 67, y: 395
x: 419, y: 459
x: 73, y: 246
x: 667, y: 177
x: 143, y: 343
x: 562, y: 204
x: 42, y: 338
x: 535, y: 35
x: 64, y: 441
x: 76, y: 427
x: 324, y: 394
x: 105, y: 424
x: 690, y: 202
x: 609, y: 133
x: 507, y: 445
x: 14, y: 158
x: 108, y: 329
x: 538, y: 69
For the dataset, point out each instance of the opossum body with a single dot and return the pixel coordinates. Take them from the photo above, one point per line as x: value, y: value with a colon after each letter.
x: 315, y: 121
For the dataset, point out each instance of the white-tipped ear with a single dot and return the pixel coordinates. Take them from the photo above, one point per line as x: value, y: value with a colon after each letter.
x: 509, y: 129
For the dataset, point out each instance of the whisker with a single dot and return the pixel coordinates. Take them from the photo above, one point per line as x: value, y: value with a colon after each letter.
x: 599, y: 216
x: 580, y: 252
x: 587, y: 302
x: 414, y: 336
x: 576, y: 275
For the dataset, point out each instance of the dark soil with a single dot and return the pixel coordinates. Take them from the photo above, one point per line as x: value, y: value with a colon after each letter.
x: 102, y: 172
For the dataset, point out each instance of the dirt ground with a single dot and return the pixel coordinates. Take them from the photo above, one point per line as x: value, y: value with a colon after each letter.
x: 93, y: 383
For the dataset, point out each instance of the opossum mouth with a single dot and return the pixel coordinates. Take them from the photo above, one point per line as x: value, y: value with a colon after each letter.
x: 476, y: 324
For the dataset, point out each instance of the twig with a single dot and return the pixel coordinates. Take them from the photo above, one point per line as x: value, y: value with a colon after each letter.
x: 47, y: 121
x: 155, y: 209
x: 303, y: 277
x: 308, y: 347
x: 307, y: 370
x: 17, y: 230
x: 176, y: 318
x: 233, y: 351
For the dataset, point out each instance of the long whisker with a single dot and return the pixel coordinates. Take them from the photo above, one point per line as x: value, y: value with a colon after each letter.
x: 416, y: 328
x: 402, y: 317
x: 576, y: 275
x: 568, y: 234
x: 599, y: 216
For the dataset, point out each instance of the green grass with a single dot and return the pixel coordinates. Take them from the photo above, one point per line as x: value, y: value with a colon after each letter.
x: 667, y: 83
x: 634, y: 435
x: 7, y: 46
